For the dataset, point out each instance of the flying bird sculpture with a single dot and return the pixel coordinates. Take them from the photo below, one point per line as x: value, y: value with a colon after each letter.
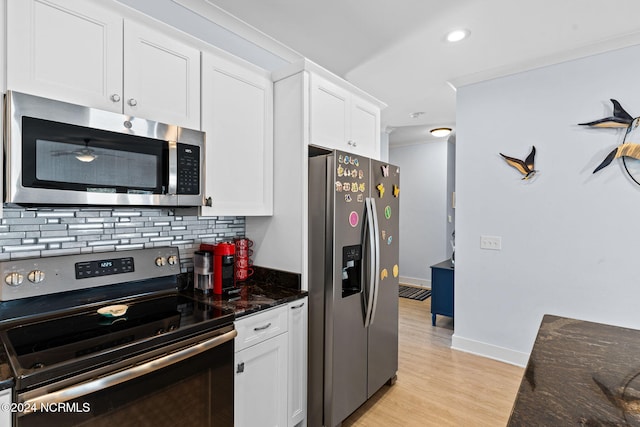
x: 620, y: 119
x: 525, y: 167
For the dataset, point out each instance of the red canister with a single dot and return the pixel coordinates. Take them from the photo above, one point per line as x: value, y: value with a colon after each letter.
x: 223, y: 267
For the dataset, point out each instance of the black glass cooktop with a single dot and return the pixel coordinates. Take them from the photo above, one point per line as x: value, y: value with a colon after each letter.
x: 51, y: 347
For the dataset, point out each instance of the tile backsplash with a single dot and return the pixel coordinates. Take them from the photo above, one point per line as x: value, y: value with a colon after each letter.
x: 40, y: 232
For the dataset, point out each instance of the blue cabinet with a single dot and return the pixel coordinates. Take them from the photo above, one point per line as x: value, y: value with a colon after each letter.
x: 441, y: 290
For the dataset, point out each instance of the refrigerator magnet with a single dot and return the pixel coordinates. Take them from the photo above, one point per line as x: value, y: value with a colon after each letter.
x: 384, y: 274
x: 384, y: 234
x: 354, y: 218
x: 362, y: 187
x: 396, y: 270
x: 340, y: 158
x: 360, y: 198
x: 346, y: 186
x: 380, y: 188
x: 389, y: 240
x: 347, y: 198
x: 387, y: 212
x: 360, y: 174
x: 385, y: 170
x: 356, y: 162
x: 338, y: 186
x: 396, y: 191
x: 340, y: 170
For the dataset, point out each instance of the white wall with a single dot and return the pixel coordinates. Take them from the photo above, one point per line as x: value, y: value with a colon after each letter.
x: 423, y: 209
x: 570, y: 239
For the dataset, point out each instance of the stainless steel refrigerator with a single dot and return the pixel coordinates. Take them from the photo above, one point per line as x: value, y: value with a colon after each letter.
x: 353, y: 282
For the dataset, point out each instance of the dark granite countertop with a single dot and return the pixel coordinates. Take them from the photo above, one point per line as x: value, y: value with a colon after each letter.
x: 580, y: 373
x: 265, y: 289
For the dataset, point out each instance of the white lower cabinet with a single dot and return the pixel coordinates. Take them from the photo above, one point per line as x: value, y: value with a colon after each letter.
x: 261, y: 360
x: 271, y: 367
x: 261, y: 384
x: 298, y: 323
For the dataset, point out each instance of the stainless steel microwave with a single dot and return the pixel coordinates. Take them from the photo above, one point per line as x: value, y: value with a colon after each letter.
x: 61, y: 153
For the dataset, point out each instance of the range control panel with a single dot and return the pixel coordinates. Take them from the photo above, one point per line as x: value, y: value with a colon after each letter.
x: 104, y: 267
x: 24, y: 278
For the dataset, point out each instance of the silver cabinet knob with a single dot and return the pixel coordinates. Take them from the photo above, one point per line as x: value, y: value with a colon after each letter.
x: 132, y: 102
x: 115, y: 97
x: 36, y: 276
x: 172, y: 260
x: 14, y: 279
x: 161, y: 261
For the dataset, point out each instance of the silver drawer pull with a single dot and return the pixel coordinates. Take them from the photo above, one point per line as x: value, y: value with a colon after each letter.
x: 297, y: 306
x: 262, y: 328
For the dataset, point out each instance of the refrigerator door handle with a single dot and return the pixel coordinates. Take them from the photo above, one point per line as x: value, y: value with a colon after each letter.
x: 370, y: 235
x: 376, y: 255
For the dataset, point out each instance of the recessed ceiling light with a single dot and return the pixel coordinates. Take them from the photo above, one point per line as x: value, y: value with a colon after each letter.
x: 440, y: 132
x: 416, y: 114
x: 457, y: 35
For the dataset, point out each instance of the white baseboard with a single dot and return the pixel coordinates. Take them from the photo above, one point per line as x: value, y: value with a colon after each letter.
x: 491, y: 351
x: 415, y: 281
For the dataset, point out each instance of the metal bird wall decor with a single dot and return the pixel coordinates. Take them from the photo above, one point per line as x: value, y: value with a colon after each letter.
x: 525, y: 167
x: 628, y: 150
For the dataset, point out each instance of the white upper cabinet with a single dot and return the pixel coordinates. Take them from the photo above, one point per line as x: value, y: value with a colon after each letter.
x: 75, y: 51
x: 65, y: 49
x: 342, y: 120
x: 237, y: 116
x: 161, y: 77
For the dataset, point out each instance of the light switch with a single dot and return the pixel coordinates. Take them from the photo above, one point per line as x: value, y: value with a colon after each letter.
x: 491, y: 242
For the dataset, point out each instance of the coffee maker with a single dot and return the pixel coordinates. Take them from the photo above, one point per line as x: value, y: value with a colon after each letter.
x: 224, y: 268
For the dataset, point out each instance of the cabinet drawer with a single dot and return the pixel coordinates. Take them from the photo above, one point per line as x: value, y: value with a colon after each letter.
x: 261, y: 326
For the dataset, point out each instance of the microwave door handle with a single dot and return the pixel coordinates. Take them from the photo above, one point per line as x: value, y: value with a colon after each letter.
x: 370, y: 237
x: 173, y: 168
x: 93, y: 386
x: 376, y: 256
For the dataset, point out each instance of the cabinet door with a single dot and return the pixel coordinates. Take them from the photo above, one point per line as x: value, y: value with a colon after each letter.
x: 260, y: 397
x: 328, y: 114
x: 237, y: 116
x: 365, y: 128
x: 65, y: 49
x: 161, y: 77
x: 298, y: 321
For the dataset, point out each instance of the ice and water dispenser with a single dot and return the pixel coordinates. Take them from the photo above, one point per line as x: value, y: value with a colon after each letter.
x: 351, y: 270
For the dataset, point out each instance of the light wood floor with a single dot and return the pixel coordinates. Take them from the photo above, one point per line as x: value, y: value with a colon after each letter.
x: 438, y: 386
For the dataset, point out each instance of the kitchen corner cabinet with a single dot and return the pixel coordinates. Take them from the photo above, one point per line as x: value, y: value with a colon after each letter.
x: 311, y: 107
x: 271, y: 367
x: 86, y: 53
x: 298, y: 325
x: 341, y: 120
x: 261, y: 360
x: 237, y: 116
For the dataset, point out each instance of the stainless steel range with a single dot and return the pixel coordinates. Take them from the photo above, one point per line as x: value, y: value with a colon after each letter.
x: 107, y: 339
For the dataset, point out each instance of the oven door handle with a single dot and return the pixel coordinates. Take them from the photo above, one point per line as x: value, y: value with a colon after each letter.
x: 111, y: 380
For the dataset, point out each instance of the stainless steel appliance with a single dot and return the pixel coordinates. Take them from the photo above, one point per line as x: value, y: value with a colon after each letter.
x: 106, y: 339
x: 203, y: 271
x: 61, y: 153
x: 353, y: 282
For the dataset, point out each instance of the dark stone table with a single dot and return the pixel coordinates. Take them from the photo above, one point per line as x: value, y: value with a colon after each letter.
x: 580, y: 374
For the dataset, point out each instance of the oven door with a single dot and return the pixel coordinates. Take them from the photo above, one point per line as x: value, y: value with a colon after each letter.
x: 190, y: 386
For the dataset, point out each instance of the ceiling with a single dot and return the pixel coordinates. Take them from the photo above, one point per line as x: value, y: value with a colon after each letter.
x: 396, y: 49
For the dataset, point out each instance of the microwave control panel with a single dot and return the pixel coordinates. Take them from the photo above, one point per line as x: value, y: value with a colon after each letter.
x: 188, y: 169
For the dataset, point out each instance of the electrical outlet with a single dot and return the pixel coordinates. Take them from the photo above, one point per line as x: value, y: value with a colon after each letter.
x: 491, y: 242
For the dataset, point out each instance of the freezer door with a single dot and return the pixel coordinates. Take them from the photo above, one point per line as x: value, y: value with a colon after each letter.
x: 346, y: 335
x: 383, y: 331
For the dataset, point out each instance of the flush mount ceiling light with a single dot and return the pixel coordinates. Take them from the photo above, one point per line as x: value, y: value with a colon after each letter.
x: 457, y: 35
x: 440, y: 132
